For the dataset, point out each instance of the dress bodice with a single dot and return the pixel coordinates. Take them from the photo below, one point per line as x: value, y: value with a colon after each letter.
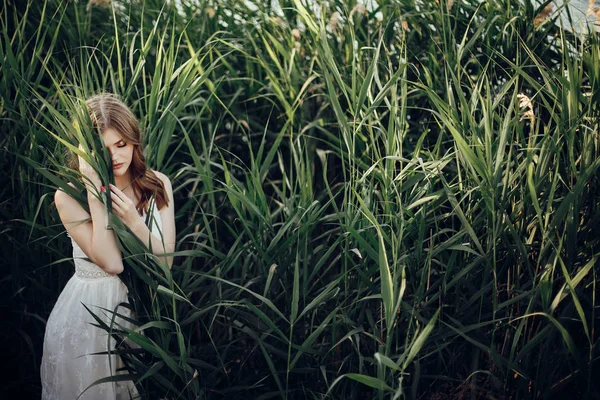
x: 88, y: 270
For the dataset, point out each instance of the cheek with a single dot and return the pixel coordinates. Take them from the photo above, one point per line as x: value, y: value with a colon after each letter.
x: 129, y: 155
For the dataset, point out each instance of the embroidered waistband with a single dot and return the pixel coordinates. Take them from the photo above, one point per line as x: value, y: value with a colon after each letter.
x: 93, y: 274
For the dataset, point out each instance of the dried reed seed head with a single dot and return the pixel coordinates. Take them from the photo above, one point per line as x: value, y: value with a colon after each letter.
x: 542, y: 16
x: 405, y: 26
x: 528, y: 115
x: 98, y: 3
x: 279, y: 22
x: 210, y: 12
x: 524, y: 101
x: 296, y: 34
x: 358, y: 9
x: 334, y: 21
x: 526, y: 105
x: 244, y: 124
x: 593, y: 11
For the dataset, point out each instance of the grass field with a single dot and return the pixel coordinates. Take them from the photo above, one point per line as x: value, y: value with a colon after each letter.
x: 397, y: 201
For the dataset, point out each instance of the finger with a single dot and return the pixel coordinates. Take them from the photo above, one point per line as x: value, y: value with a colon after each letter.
x: 116, y: 209
x: 116, y: 189
x: 118, y: 192
x: 116, y: 197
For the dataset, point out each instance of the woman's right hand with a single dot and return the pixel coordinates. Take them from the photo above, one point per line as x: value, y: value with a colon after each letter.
x: 87, y: 170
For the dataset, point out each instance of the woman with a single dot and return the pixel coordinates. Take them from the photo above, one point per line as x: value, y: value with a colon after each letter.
x: 68, y: 366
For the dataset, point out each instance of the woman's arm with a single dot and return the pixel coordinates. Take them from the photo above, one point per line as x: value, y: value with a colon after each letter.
x: 104, y: 245
x: 129, y: 216
x: 98, y: 244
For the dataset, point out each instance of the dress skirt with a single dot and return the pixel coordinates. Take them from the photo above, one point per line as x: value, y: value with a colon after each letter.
x: 69, y: 365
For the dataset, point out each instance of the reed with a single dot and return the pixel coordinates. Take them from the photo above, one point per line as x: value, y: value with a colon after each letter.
x: 389, y: 202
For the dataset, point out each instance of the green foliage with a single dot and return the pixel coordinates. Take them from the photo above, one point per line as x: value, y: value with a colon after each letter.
x: 390, y: 202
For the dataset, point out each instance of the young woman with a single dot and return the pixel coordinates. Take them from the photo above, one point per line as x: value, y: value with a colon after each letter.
x: 68, y: 366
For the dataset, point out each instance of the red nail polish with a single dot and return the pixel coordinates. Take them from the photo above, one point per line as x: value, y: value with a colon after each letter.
x: 102, y: 188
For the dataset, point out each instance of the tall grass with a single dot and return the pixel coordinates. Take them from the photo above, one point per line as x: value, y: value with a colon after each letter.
x: 397, y: 202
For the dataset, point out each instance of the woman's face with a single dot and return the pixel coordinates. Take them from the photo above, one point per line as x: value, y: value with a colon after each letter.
x: 121, y: 151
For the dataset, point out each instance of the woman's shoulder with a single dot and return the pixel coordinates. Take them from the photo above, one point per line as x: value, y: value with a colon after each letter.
x: 65, y: 203
x: 168, y: 188
x: 159, y: 174
x: 163, y: 178
x: 61, y: 195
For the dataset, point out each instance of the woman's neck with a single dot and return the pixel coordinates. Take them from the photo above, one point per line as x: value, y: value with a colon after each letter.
x: 124, y: 183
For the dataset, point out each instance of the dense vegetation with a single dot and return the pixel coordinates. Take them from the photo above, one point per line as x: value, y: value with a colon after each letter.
x: 399, y: 201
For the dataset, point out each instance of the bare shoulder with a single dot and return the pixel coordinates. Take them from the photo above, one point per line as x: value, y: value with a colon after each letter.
x: 68, y: 208
x: 168, y: 188
x: 165, y: 179
x: 62, y: 198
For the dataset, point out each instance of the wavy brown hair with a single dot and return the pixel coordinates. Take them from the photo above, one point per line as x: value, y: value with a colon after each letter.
x: 107, y: 110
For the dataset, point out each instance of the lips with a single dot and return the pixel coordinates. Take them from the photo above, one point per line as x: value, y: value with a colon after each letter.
x: 117, y: 166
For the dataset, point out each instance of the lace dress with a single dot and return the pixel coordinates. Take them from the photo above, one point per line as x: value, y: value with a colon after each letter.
x: 68, y: 364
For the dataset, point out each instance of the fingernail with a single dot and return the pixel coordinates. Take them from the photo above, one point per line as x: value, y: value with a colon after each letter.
x: 102, y: 188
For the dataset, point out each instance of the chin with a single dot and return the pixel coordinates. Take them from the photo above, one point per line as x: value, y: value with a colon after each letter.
x: 121, y: 171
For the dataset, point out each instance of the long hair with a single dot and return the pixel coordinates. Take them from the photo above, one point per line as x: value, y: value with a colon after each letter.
x: 106, y: 110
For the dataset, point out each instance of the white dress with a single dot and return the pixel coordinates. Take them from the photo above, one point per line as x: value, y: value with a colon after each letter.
x: 68, y: 366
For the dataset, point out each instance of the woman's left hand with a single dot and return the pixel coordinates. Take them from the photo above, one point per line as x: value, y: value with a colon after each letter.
x: 123, y: 206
